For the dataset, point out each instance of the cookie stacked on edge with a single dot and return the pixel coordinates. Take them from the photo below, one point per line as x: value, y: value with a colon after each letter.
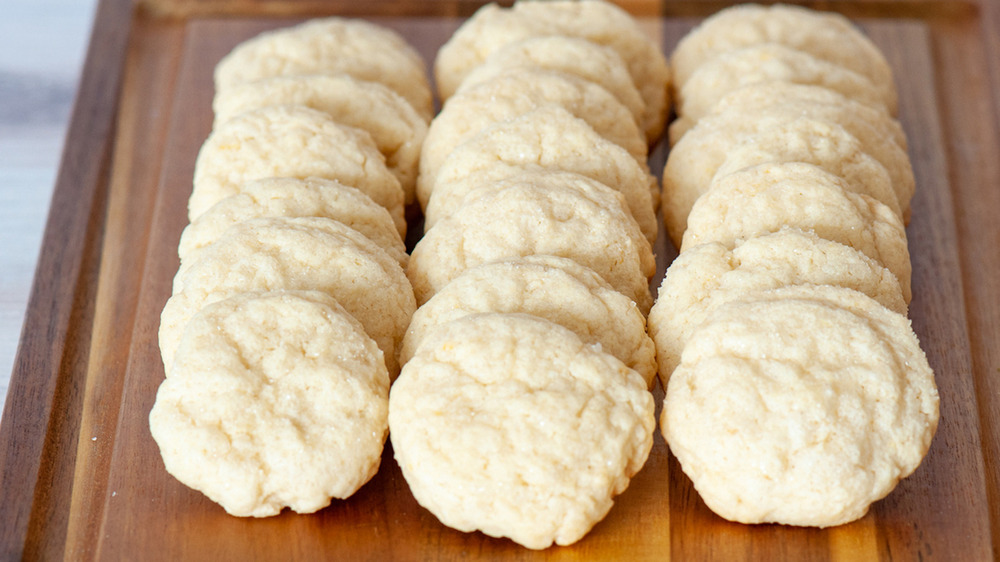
x: 523, y: 407
x: 282, y: 333
x: 796, y: 390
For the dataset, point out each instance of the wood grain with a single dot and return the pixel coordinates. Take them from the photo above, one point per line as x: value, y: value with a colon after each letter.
x: 89, y: 366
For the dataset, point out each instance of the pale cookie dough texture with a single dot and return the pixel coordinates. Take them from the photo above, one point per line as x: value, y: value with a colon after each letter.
x: 704, y: 277
x: 397, y: 129
x: 331, y: 46
x: 276, y: 400
x: 511, y: 425
x: 511, y: 95
x: 774, y: 62
x: 554, y: 213
x: 548, y: 138
x: 697, y: 156
x: 765, y: 198
x: 586, y: 59
x: 291, y: 141
x: 291, y: 197
x: 493, y: 27
x: 269, y: 254
x: 824, y: 35
x: 556, y: 289
x: 760, y: 97
x: 777, y: 421
x: 822, y: 144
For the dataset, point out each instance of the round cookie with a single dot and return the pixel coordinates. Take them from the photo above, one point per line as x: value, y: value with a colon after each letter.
x: 511, y: 95
x: 763, y: 199
x: 759, y: 97
x: 704, y: 277
x: 493, y: 26
x: 511, y: 425
x: 580, y: 57
x: 556, y: 289
x: 291, y: 197
x: 777, y: 421
x: 291, y: 141
x: 824, y: 35
x: 333, y: 45
x: 820, y: 143
x: 269, y: 254
x: 555, y: 213
x: 276, y: 400
x: 694, y: 160
x: 765, y: 62
x: 396, y: 128
x: 548, y: 138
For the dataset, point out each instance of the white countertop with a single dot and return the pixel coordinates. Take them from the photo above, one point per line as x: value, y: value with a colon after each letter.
x: 42, y: 45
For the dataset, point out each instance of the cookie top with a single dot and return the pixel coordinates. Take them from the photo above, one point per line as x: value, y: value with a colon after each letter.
x: 511, y: 425
x: 765, y: 62
x: 763, y: 199
x: 697, y: 156
x: 290, y: 141
x: 508, y: 96
x: 396, y: 128
x: 824, y: 35
x: 493, y: 27
x: 775, y: 420
x: 554, y: 213
x: 546, y: 138
x: 291, y: 197
x: 549, y: 287
x: 276, y: 400
x: 572, y: 55
x: 706, y: 276
x: 821, y: 143
x: 269, y: 254
x: 807, y: 99
x: 333, y: 45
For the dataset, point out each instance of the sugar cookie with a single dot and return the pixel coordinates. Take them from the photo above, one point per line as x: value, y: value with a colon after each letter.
x: 511, y: 425
x: 556, y: 213
x: 546, y: 138
x: 290, y: 141
x: 396, y: 128
x: 763, y: 199
x: 775, y: 420
x: 556, y: 289
x: 332, y: 45
x: 275, y: 400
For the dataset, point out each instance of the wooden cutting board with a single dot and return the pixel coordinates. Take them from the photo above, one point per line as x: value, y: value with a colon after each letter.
x: 81, y: 478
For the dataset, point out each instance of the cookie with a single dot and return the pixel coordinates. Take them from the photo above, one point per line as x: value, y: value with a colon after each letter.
x: 775, y: 420
x: 548, y: 138
x: 396, y: 128
x: 511, y: 95
x: 694, y: 160
x: 269, y: 254
x: 332, y: 45
x: 556, y: 213
x: 493, y: 27
x: 572, y: 55
x: 763, y: 199
x: 291, y: 197
x: 822, y: 144
x: 276, y: 400
x: 805, y: 98
x: 556, y: 289
x: 704, y: 277
x: 766, y: 62
x: 290, y: 141
x: 824, y: 35
x: 511, y: 425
